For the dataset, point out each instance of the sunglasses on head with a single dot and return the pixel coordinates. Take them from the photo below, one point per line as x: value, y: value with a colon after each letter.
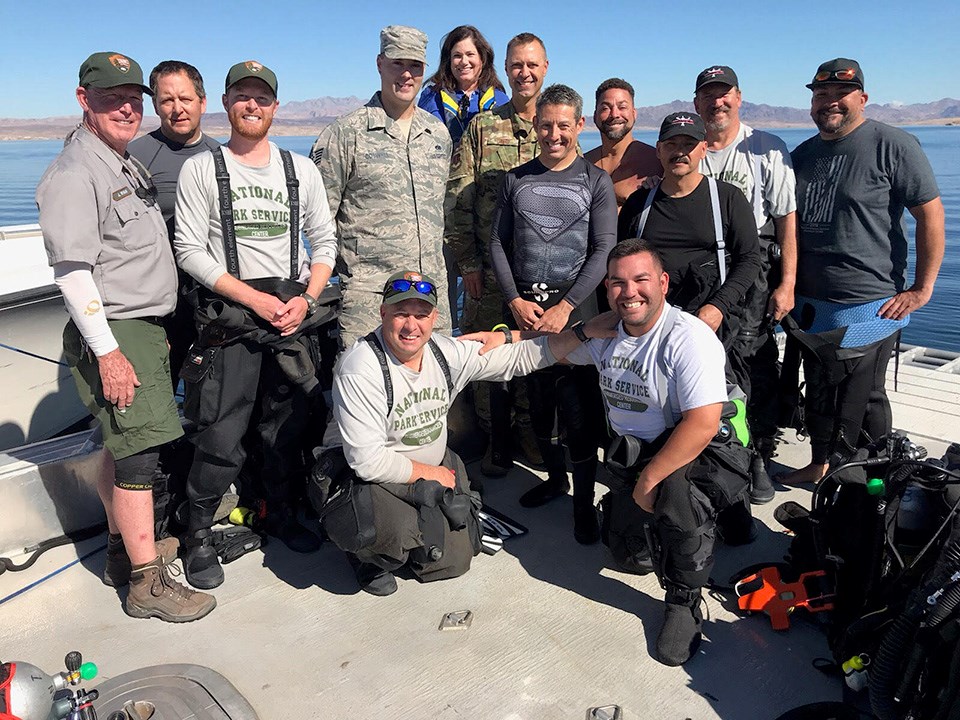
x: 845, y: 74
x: 423, y: 287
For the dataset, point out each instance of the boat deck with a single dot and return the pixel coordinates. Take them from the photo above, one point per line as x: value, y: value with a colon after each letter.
x: 555, y: 631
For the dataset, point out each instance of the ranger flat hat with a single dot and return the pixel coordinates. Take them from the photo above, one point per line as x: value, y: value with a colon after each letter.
x: 400, y: 42
x: 839, y: 71
x: 248, y: 69
x: 110, y: 69
x: 682, y: 124
x: 409, y: 285
x: 717, y: 74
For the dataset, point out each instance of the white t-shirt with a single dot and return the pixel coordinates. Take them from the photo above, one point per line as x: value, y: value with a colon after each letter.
x: 380, y: 447
x: 735, y: 164
x: 692, y: 356
x: 261, y: 217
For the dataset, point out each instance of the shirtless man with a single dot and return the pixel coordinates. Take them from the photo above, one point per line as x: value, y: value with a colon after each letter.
x: 627, y: 161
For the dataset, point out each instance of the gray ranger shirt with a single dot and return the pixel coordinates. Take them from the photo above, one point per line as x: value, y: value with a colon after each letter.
x: 90, y: 213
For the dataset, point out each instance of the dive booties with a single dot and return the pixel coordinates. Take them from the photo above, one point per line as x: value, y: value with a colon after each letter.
x: 283, y: 524
x: 201, y: 564
x: 372, y: 578
x: 761, y: 488
x: 680, y: 635
x: 540, y: 494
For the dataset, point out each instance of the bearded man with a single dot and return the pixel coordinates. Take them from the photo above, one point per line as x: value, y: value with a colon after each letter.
x: 239, y: 213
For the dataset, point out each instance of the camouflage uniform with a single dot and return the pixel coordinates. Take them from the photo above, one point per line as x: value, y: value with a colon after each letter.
x: 386, y: 194
x: 495, y: 142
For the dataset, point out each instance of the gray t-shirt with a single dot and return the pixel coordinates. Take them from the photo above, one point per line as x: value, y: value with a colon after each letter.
x: 164, y: 158
x: 90, y: 213
x: 738, y: 164
x: 380, y: 447
x: 851, y: 194
x: 261, y: 216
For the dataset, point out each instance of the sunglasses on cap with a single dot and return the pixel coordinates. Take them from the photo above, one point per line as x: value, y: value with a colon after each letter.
x: 844, y: 75
x: 423, y: 287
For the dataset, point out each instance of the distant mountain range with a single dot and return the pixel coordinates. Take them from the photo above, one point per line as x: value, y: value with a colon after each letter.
x: 307, y: 117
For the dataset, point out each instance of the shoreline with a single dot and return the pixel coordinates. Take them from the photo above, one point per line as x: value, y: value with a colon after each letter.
x: 57, y: 128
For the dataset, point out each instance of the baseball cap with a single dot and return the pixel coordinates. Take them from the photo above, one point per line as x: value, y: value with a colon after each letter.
x: 839, y: 71
x: 248, y: 69
x: 717, y: 74
x: 682, y: 124
x: 110, y: 69
x: 399, y: 42
x: 409, y: 285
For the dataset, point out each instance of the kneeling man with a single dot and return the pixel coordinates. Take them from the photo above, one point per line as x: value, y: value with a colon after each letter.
x: 391, y: 393
x: 662, y: 378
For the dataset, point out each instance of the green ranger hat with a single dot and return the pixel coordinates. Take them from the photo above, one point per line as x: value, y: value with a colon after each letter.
x: 248, y: 69
x: 409, y: 285
x: 399, y: 42
x: 110, y: 69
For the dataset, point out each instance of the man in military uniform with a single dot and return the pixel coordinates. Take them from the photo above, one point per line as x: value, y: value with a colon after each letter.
x: 385, y: 169
x: 179, y: 100
x: 106, y: 241
x: 494, y: 143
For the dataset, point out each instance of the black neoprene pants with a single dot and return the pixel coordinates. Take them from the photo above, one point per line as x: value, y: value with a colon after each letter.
x: 221, y: 405
x: 846, y: 400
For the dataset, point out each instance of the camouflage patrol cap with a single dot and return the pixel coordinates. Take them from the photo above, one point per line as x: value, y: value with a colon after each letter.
x: 399, y: 42
x: 251, y: 69
x: 409, y: 285
x: 110, y: 69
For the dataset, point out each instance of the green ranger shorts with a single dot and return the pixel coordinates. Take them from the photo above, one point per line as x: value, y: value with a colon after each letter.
x: 152, y: 419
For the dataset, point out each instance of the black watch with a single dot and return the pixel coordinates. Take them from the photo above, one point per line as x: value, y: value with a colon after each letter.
x: 312, y: 304
x: 507, y: 333
x: 580, y: 332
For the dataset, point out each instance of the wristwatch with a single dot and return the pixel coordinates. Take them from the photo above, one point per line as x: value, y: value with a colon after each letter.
x: 580, y: 332
x: 507, y: 332
x: 312, y: 304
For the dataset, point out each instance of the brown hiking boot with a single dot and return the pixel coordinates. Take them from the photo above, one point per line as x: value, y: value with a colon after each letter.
x: 153, y: 593
x: 116, y: 573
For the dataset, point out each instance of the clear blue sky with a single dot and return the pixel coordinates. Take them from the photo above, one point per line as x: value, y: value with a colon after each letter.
x: 908, y: 49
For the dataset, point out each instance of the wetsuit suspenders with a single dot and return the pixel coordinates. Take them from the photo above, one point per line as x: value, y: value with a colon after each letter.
x: 374, y: 342
x: 717, y: 223
x: 229, y: 231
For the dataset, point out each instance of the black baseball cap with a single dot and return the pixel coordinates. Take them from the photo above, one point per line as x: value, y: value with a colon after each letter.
x: 839, y: 71
x: 717, y: 74
x: 409, y: 285
x: 248, y: 69
x: 111, y: 69
x: 682, y: 124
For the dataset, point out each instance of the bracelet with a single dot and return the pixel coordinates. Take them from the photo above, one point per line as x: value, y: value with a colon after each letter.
x: 507, y: 332
x: 312, y: 304
x: 580, y: 332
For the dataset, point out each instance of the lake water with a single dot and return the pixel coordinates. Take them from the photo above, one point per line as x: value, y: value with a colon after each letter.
x: 936, y: 325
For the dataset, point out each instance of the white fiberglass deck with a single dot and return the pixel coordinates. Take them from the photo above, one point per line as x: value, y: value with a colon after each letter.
x: 555, y: 631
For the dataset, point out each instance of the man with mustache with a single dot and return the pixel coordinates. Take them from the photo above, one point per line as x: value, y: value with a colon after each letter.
x: 494, y: 143
x: 759, y: 164
x: 694, y: 222
x: 628, y: 162
x: 239, y: 213
x: 854, y: 180
x: 385, y: 169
